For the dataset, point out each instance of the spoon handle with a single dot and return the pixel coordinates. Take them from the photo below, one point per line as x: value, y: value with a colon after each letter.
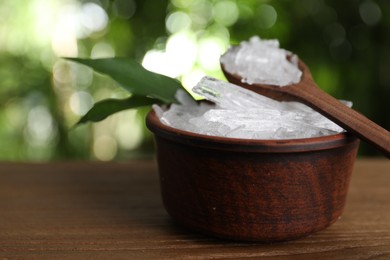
x: 351, y: 120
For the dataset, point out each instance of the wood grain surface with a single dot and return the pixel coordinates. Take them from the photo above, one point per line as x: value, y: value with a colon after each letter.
x: 81, y: 210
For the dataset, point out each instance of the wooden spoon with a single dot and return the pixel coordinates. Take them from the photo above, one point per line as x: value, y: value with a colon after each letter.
x: 307, y: 92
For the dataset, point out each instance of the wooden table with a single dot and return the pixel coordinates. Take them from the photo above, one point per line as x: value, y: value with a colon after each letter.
x: 80, y: 210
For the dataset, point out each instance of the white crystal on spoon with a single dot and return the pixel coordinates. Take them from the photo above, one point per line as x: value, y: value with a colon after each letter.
x: 262, y: 61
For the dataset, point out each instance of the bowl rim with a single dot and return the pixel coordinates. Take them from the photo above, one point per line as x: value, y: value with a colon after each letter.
x: 248, y: 145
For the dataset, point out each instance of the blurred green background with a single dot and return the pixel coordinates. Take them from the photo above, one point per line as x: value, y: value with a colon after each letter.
x: 346, y: 44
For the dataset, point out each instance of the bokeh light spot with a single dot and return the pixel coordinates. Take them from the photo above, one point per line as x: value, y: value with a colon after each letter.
x: 81, y: 75
x: 61, y: 72
x: 125, y: 8
x: 370, y: 12
x: 177, y: 22
x: 64, y: 34
x: 181, y: 3
x: 129, y: 132
x: 93, y: 17
x: 201, y: 13
x: 190, y: 79
x: 178, y: 58
x: 102, y: 50
x: 80, y: 102
x: 105, y: 148
x: 40, y: 126
x: 267, y: 16
x: 210, y: 50
x: 226, y: 12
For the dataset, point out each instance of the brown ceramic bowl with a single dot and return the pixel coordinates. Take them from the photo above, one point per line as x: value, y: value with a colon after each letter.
x: 253, y: 190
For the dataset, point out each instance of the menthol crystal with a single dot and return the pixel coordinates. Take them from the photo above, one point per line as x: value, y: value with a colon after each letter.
x: 240, y: 113
x: 262, y: 61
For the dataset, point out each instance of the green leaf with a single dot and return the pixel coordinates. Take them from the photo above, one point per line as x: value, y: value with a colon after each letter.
x: 107, y: 107
x: 135, y: 78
